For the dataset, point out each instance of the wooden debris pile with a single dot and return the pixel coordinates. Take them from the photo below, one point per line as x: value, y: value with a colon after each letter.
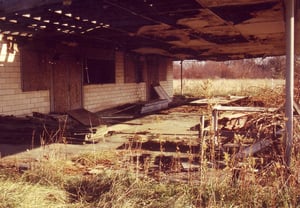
x: 43, y: 129
x: 255, y: 134
x: 167, y: 155
x: 239, y: 136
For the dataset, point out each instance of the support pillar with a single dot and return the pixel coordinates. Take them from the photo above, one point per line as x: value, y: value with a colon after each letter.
x: 181, y: 77
x: 289, y: 83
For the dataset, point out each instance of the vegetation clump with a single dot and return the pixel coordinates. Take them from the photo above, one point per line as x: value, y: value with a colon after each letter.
x: 77, y: 184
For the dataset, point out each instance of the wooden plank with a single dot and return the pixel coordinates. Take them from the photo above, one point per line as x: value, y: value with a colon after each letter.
x: 67, y: 85
x: 162, y: 93
x: 154, y: 106
x: 296, y: 107
x: 75, y: 85
x: 35, y: 73
x: 256, y: 147
x: 244, y: 109
x: 85, y: 117
x: 156, y: 102
x: 118, y: 117
x: 219, y: 100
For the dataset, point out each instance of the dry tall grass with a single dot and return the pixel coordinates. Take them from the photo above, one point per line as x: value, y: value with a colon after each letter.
x: 225, y: 87
x: 101, y: 180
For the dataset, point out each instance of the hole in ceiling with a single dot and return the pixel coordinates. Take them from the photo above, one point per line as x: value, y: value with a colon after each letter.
x: 240, y: 13
x: 58, y: 11
x: 13, y: 21
x: 37, y: 18
x: 26, y: 15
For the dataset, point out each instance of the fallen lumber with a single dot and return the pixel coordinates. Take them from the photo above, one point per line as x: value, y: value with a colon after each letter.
x: 85, y: 117
x: 42, y: 128
x: 252, y: 149
x: 162, y: 93
x: 219, y: 100
x: 243, y: 109
x: 154, y: 106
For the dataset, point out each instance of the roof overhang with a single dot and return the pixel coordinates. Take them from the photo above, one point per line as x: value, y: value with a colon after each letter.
x: 181, y: 29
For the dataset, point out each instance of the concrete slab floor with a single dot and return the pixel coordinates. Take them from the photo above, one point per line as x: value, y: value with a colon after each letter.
x: 172, y: 125
x: 175, y: 124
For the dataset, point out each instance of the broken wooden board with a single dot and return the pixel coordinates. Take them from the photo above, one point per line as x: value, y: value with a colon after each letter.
x: 118, y: 117
x: 155, y: 106
x: 219, y: 100
x: 41, y: 129
x: 85, y: 117
x: 244, y: 109
x: 296, y: 107
x: 162, y: 93
x: 256, y: 147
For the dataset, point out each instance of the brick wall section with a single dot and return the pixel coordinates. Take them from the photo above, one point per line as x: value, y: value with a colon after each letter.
x: 168, y: 84
x: 119, y: 67
x: 99, y: 97
x: 12, y: 100
x: 96, y: 97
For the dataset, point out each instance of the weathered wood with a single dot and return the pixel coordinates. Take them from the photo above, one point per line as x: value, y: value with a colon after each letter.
x: 124, y: 109
x: 35, y: 73
x: 67, y: 90
x: 256, y: 147
x: 154, y: 106
x: 41, y: 128
x: 126, y: 17
x: 85, y: 117
x: 244, y: 109
x: 296, y: 107
x: 117, y: 117
x: 219, y: 100
x: 162, y: 93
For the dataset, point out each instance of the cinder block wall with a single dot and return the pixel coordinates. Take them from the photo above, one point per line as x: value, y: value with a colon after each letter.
x: 168, y: 84
x: 96, y: 97
x: 99, y: 97
x: 12, y: 100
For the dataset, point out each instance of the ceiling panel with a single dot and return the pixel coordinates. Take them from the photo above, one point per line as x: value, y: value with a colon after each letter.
x: 193, y: 29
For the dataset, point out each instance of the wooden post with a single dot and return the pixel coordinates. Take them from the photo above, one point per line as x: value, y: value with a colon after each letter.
x: 201, y: 127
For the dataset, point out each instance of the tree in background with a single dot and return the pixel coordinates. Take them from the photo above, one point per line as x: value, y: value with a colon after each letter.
x: 269, y: 67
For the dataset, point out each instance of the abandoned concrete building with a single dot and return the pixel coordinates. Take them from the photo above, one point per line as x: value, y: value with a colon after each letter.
x: 59, y: 55
x: 62, y: 55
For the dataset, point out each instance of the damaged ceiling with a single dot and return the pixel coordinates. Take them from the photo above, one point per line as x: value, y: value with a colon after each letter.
x: 181, y: 29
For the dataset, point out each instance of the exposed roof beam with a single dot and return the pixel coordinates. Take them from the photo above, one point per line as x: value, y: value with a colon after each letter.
x: 149, y: 19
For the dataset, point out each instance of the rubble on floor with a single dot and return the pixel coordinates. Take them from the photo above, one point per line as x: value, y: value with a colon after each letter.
x: 238, y: 134
x: 44, y: 129
x: 179, y: 139
x: 130, y: 111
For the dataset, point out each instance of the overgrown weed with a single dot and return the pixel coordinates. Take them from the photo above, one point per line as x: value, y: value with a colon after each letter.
x: 225, y: 87
x: 51, y: 185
